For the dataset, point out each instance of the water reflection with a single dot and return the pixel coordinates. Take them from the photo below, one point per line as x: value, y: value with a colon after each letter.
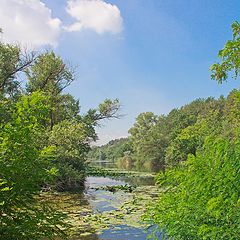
x: 135, y: 180
x: 150, y: 167
x: 123, y: 232
x: 102, y: 201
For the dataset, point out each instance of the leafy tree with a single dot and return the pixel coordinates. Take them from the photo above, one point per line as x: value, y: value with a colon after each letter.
x: 12, y: 62
x: 209, y: 122
x: 108, y: 109
x: 125, y: 162
x: 71, y: 139
x: 200, y: 198
x: 9, y: 58
x: 230, y: 57
x: 156, y: 142
x: 21, y: 156
x: 42, y: 135
x: 51, y: 75
x: 185, y: 116
x: 232, y: 115
x: 6, y: 110
x: 144, y: 122
x: 67, y: 108
x: 112, y: 151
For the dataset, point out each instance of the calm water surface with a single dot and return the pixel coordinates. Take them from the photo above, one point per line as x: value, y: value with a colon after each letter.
x: 102, y: 200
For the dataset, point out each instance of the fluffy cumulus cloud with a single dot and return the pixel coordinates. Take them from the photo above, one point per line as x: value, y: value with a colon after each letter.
x: 28, y: 22
x: 95, y: 15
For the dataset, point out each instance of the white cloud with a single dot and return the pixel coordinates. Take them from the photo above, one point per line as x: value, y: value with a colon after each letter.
x: 96, y: 15
x: 28, y: 22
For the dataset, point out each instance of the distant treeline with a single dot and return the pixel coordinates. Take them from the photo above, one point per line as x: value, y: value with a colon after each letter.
x: 159, y: 142
x: 111, y: 151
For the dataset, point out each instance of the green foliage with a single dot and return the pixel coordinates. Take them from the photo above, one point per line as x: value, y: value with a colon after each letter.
x: 6, y: 109
x: 209, y: 121
x: 200, y: 187
x: 200, y: 194
x: 126, y: 162
x: 232, y: 114
x: 67, y: 108
x: 24, y: 166
x: 140, y: 134
x: 49, y: 74
x: 111, y: 151
x: 230, y: 57
x: 71, y: 139
x: 108, y: 109
x: 9, y: 59
x: 200, y: 198
x: 13, y: 61
x: 43, y: 141
x: 156, y: 140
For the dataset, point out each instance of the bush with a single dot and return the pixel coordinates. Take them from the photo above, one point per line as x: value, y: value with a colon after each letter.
x: 200, y: 199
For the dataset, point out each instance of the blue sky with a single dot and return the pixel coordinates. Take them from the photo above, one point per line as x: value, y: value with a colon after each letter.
x: 157, y: 61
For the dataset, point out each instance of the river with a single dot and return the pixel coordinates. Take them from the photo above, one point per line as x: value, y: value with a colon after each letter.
x: 104, y: 202
x: 109, y: 208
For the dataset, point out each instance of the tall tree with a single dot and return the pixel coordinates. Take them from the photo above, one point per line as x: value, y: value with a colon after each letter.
x: 12, y: 62
x: 139, y: 132
x: 51, y: 75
